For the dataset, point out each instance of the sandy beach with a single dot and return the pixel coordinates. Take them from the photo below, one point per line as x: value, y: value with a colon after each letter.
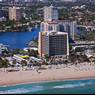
x: 29, y: 76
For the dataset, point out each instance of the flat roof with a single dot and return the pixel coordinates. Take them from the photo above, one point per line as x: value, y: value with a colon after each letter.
x: 53, y: 32
x: 57, y: 21
x: 58, y: 33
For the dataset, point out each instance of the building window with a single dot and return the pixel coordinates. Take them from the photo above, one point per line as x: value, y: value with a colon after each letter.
x: 42, y: 27
x: 50, y: 28
x: 61, y: 28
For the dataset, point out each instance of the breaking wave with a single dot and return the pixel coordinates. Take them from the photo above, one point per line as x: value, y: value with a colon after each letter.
x: 80, y: 84
x: 22, y: 90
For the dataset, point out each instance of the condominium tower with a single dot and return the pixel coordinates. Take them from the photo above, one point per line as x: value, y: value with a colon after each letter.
x: 15, y: 13
x: 50, y: 13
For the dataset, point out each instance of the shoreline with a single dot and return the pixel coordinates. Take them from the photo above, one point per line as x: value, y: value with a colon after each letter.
x: 83, y: 78
x: 49, y: 75
x: 26, y: 30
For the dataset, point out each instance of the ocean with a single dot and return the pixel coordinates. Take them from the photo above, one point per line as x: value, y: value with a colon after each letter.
x: 18, y: 39
x: 57, y: 87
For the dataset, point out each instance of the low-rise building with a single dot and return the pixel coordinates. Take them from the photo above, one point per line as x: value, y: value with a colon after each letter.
x: 3, y: 48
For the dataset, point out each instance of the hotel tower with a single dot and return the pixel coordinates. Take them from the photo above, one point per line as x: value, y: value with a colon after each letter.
x: 55, y: 33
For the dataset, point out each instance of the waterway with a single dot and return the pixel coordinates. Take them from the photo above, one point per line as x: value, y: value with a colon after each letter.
x: 18, y: 39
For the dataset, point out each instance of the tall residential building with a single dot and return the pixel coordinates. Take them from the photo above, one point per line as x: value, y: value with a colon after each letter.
x: 53, y: 44
x: 50, y: 13
x: 68, y: 26
x: 50, y: 26
x: 52, y: 23
x: 60, y: 25
x: 15, y: 13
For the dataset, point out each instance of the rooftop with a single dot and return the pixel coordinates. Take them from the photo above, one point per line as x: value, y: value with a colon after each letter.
x: 54, y: 33
x: 58, y: 33
x: 57, y: 21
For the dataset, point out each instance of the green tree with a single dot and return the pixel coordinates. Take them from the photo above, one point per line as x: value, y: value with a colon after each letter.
x: 32, y: 53
x: 70, y: 46
x: 5, y: 63
x: 23, y: 63
x: 47, y: 57
x: 10, y: 23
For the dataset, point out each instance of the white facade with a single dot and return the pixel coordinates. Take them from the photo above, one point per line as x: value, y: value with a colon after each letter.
x: 43, y: 47
x: 70, y: 27
x: 49, y: 26
x: 50, y: 13
x: 14, y: 13
x: 54, y: 26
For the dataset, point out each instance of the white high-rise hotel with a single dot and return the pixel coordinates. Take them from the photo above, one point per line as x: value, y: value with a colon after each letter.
x: 55, y: 33
x: 50, y: 13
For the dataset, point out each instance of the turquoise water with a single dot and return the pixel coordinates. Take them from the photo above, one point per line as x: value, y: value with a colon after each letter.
x: 18, y: 39
x: 57, y: 87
